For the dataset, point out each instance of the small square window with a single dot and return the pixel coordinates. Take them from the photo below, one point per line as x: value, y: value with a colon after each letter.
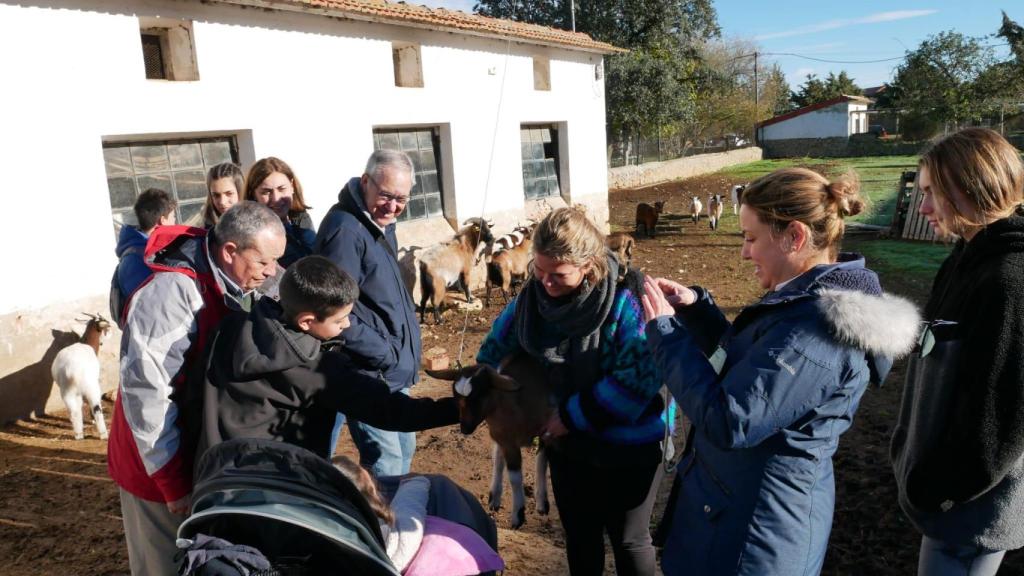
x: 168, y: 50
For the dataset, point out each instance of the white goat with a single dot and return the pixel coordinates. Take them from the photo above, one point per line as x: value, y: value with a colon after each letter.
x: 76, y: 369
x: 695, y: 209
x: 715, y: 202
x: 515, y: 402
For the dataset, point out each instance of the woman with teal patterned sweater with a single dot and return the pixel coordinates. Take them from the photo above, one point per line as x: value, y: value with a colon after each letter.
x: 588, y: 331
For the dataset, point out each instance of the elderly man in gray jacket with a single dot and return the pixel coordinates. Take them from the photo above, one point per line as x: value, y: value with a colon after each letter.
x: 358, y: 234
x: 197, y: 280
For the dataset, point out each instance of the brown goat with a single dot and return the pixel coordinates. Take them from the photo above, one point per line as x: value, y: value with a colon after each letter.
x: 647, y: 218
x: 450, y: 263
x: 507, y: 267
x: 622, y: 245
x: 515, y: 401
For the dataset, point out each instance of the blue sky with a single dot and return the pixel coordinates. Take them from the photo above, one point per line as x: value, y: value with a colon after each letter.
x: 849, y: 31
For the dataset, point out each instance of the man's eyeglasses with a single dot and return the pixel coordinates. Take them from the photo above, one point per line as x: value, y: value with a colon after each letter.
x: 388, y: 196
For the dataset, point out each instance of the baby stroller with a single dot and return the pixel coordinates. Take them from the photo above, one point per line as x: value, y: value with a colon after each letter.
x: 294, y: 507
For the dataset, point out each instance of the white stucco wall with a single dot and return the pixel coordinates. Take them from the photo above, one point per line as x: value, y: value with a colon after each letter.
x: 310, y: 89
x: 831, y: 122
x: 305, y: 88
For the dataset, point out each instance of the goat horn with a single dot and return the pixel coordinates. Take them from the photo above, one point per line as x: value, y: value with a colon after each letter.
x: 451, y: 374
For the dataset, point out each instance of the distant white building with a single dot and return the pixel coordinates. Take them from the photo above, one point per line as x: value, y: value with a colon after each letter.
x: 840, y: 117
x: 105, y: 98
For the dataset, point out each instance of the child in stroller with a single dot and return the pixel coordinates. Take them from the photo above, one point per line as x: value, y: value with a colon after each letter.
x: 275, y: 509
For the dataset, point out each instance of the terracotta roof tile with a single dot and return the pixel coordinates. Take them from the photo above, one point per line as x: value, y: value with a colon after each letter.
x: 402, y: 14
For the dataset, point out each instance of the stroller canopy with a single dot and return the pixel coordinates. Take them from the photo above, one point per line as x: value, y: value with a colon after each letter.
x: 303, y: 514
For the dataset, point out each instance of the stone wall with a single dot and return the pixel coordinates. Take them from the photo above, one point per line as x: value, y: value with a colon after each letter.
x: 856, y: 145
x: 658, y: 172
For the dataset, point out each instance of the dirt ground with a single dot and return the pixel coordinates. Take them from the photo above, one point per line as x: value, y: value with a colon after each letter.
x: 59, y: 512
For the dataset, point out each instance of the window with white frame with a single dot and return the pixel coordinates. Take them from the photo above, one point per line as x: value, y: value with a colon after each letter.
x: 176, y: 166
x: 539, y: 145
x: 423, y: 145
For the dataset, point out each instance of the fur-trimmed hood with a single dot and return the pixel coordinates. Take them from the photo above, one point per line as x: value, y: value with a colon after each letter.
x: 881, y: 325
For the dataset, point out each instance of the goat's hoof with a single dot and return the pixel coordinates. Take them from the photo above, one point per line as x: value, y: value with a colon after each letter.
x: 543, y: 508
x: 494, y: 503
x: 79, y: 436
x: 104, y: 436
x: 517, y: 519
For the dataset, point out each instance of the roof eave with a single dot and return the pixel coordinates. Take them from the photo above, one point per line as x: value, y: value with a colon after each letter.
x: 597, y: 48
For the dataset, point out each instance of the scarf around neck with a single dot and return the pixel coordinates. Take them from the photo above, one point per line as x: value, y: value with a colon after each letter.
x: 579, y: 318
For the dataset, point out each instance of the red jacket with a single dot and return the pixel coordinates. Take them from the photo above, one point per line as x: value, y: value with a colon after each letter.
x: 168, y: 322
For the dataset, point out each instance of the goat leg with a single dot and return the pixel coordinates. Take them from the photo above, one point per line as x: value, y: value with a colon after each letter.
x: 464, y: 279
x: 497, y: 478
x: 541, y: 481
x: 514, y: 462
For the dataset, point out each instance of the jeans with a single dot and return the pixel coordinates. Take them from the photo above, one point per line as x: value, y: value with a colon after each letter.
x: 943, y: 559
x: 382, y: 452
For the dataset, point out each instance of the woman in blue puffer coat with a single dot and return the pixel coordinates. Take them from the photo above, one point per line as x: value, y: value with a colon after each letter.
x: 770, y: 394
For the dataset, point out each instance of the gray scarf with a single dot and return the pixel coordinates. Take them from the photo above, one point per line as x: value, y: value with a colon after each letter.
x: 579, y: 318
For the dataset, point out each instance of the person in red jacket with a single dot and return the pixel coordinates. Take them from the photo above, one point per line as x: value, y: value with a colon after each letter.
x: 198, y: 278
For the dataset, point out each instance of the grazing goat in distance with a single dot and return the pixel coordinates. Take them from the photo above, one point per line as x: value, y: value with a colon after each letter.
x: 446, y: 264
x: 508, y: 267
x: 695, y: 209
x: 76, y: 369
x: 622, y: 245
x: 515, y: 401
x: 647, y: 218
x: 715, y: 202
x: 737, y: 195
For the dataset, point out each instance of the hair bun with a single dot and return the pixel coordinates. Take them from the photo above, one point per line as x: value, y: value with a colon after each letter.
x: 844, y: 194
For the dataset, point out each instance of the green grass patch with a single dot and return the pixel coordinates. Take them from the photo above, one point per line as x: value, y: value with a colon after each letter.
x: 879, y: 176
x: 907, y: 268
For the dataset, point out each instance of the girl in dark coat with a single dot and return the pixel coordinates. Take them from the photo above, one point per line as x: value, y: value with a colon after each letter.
x: 958, y: 448
x: 770, y: 394
x: 271, y: 181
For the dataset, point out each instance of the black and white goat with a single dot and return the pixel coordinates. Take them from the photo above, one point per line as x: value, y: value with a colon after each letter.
x: 515, y: 401
x: 450, y: 263
x: 76, y: 369
x: 736, y: 194
x: 509, y: 262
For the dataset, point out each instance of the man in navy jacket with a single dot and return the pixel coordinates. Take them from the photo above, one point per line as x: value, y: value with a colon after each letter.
x: 358, y: 234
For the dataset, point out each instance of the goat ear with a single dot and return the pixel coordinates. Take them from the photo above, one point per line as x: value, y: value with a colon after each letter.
x: 451, y: 374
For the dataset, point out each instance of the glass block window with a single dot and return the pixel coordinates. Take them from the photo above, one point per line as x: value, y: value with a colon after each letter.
x: 539, y: 146
x: 177, y: 166
x: 423, y: 145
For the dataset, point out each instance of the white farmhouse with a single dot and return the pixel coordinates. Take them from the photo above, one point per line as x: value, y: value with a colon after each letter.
x: 839, y: 117
x: 105, y: 98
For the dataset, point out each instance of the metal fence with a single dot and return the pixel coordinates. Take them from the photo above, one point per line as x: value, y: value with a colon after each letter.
x: 631, y: 151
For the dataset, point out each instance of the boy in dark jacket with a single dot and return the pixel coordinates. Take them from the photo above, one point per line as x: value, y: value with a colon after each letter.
x: 271, y: 373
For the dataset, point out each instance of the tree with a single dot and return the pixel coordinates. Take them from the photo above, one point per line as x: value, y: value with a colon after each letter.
x: 652, y: 85
x: 775, y: 93
x: 816, y: 90
x: 945, y: 78
x: 1013, y: 33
